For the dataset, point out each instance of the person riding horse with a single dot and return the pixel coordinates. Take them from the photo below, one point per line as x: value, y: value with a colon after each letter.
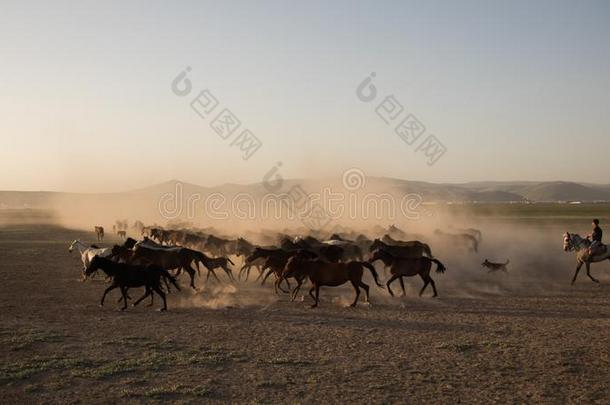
x: 596, y: 239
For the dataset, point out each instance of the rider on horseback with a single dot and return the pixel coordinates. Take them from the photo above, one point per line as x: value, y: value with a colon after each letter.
x: 596, y: 239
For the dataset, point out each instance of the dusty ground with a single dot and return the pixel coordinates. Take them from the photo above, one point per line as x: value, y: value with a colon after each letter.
x: 543, y: 344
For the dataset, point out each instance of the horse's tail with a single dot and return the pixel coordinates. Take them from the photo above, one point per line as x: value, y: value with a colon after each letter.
x: 440, y: 267
x: 373, y: 272
x: 168, y: 277
x: 229, y: 260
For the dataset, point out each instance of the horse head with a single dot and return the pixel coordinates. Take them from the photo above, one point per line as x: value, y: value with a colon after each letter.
x: 377, y: 243
x: 380, y: 254
x: 573, y: 241
x: 567, y: 242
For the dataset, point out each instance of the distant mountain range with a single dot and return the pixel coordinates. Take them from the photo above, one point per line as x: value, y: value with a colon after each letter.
x: 234, y: 205
x: 474, y: 192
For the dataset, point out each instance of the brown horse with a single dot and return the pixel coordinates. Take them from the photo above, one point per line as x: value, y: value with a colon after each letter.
x: 99, y: 232
x: 212, y: 263
x: 277, y: 263
x: 408, y: 267
x: 322, y: 273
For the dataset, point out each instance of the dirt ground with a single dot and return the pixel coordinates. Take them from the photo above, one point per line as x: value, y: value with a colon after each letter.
x: 507, y: 344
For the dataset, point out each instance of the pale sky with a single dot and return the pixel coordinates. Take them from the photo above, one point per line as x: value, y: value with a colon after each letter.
x: 515, y: 90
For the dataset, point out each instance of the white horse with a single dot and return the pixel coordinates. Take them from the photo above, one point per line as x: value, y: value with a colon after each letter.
x: 574, y: 242
x: 87, y: 253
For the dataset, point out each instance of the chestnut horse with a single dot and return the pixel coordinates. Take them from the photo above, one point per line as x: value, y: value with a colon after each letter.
x: 323, y: 273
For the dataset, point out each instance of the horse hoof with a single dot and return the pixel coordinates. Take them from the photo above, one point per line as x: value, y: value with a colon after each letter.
x: 314, y: 306
x: 162, y: 309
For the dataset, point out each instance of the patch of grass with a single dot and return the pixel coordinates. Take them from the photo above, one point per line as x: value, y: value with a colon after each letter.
x: 31, y: 388
x: 287, y: 362
x: 21, y: 370
x: 154, y: 361
x: 271, y: 385
x: 199, y: 391
x: 115, y: 367
x: 21, y: 339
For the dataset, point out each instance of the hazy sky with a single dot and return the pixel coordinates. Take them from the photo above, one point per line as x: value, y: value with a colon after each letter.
x: 515, y: 90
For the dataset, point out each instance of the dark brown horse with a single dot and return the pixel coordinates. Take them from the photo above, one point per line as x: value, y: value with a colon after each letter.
x: 401, y: 267
x: 126, y: 276
x: 323, y: 273
x: 168, y: 258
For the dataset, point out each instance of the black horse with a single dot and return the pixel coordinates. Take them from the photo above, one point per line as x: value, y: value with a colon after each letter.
x: 125, y: 276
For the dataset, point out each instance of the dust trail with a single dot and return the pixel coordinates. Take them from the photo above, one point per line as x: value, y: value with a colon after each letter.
x: 227, y: 296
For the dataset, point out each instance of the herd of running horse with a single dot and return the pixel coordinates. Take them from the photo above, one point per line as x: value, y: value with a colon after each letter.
x: 155, y: 261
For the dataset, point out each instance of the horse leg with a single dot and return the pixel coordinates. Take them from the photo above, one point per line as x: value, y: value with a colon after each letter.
x: 124, y: 293
x: 433, y: 286
x: 312, y: 296
x: 317, y: 297
x: 402, y: 285
x: 162, y: 295
x: 279, y: 280
x: 266, y: 276
x: 112, y: 287
x: 296, y: 290
x: 426, y: 280
x: 214, y: 274
x: 366, y: 291
x: 229, y: 273
x: 589, y: 273
x: 394, y: 277
x: 146, y: 294
x: 577, y: 270
x: 191, y: 273
x: 242, y: 270
x: 357, y: 288
x: 261, y: 273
